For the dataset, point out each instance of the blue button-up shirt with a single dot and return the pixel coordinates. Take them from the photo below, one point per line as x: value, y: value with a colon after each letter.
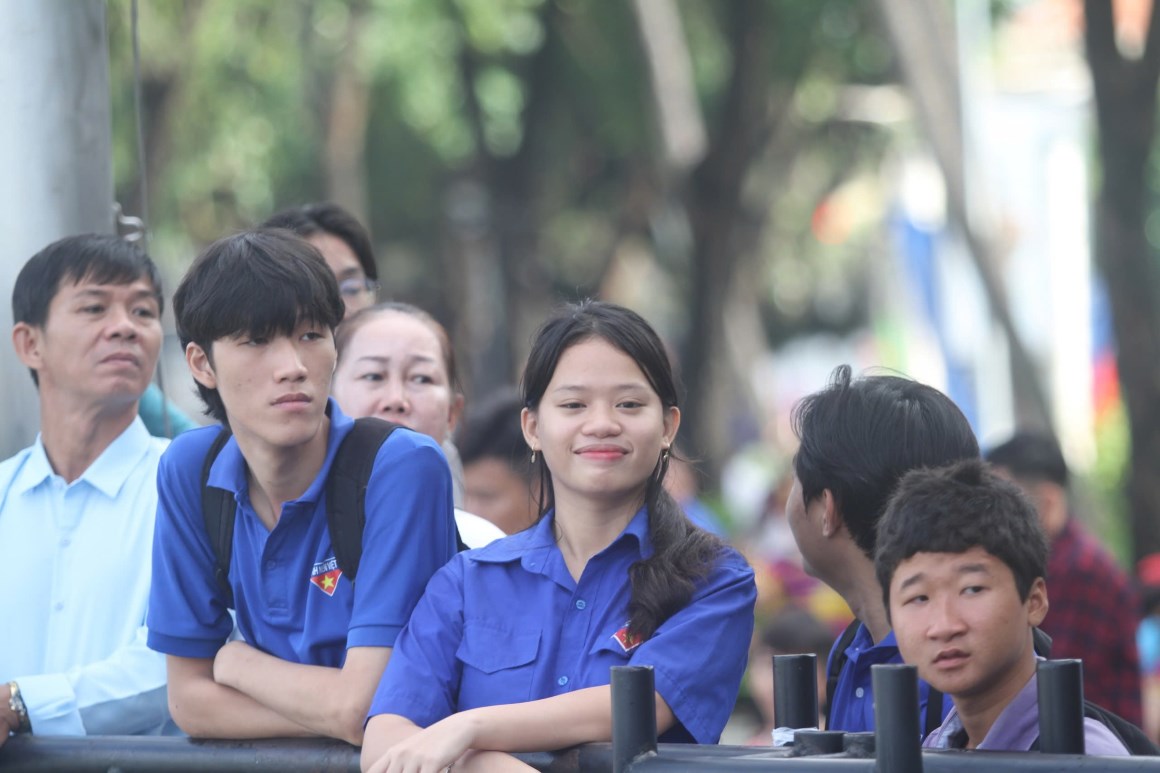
x: 507, y: 623
x: 72, y: 621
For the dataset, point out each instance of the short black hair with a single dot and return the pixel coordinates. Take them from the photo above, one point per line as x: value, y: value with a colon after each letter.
x: 325, y: 217
x: 1031, y: 456
x: 956, y: 508
x: 98, y: 258
x: 261, y: 283
x: 493, y: 431
x: 860, y: 436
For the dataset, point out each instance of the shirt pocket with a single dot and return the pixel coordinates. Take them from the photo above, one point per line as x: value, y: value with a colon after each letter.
x: 607, y: 652
x: 498, y: 666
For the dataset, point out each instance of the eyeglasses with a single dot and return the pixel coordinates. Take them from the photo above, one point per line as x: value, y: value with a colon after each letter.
x: 354, y: 287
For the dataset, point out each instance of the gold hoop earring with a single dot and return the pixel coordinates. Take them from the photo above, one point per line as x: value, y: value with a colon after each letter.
x: 533, y: 456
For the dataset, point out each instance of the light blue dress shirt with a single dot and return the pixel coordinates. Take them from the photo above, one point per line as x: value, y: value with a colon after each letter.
x: 78, y: 557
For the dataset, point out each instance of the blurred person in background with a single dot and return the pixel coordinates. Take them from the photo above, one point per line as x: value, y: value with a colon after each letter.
x: 791, y: 631
x: 344, y: 244
x: 498, y: 481
x: 1094, y: 605
x: 1148, y: 642
x: 396, y: 362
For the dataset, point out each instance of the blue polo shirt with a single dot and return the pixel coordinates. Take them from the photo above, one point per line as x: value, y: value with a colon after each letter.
x: 852, y: 704
x: 507, y: 623
x: 291, y: 598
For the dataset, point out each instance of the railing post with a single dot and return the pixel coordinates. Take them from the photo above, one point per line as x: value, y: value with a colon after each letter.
x: 1060, y: 694
x: 634, y: 715
x: 898, y: 746
x: 795, y: 691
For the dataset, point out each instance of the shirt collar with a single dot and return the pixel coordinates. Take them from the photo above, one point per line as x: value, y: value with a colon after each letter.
x: 529, y: 545
x: 229, y: 469
x: 1015, y: 729
x: 107, y: 473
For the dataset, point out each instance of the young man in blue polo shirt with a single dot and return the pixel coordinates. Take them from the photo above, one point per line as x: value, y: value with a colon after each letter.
x: 858, y: 438
x: 961, y: 561
x: 256, y: 314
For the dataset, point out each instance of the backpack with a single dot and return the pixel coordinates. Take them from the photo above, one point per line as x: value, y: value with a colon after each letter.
x: 346, y: 490
x: 934, y: 699
x: 1132, y: 737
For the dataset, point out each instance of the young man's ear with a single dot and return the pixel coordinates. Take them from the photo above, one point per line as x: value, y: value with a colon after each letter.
x: 200, y: 366
x: 1037, y: 605
x: 26, y: 342
x: 831, y: 518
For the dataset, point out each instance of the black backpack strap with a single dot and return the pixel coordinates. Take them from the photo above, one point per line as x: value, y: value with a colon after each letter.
x: 836, y: 663
x: 218, y: 508
x: 1042, y: 643
x: 934, y: 712
x: 346, y: 489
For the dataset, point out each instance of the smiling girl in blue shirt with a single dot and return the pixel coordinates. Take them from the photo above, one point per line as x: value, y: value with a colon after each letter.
x: 510, y: 647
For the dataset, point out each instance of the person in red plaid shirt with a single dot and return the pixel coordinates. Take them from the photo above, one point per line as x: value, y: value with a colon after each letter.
x: 1094, y: 605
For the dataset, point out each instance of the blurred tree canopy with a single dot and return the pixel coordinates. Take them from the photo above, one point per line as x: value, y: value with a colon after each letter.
x: 508, y: 154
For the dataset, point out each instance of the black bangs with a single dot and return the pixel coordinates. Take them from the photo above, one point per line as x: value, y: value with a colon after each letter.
x: 257, y: 283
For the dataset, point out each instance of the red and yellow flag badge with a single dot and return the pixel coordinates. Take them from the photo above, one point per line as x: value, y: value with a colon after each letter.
x: 627, y: 641
x: 325, y: 576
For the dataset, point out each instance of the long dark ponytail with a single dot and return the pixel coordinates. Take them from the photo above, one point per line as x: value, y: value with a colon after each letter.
x: 683, y: 553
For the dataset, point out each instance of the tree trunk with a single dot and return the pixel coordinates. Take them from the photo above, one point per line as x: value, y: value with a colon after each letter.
x: 1125, y: 93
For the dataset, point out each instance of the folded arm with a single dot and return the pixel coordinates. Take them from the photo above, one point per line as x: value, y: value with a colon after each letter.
x: 469, y: 738
x: 327, y: 701
x: 205, y: 709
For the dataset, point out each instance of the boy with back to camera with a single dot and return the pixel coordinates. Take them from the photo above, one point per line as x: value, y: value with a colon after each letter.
x: 961, y: 559
x: 256, y: 314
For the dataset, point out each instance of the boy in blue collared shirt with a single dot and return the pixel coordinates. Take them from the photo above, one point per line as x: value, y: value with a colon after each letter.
x: 256, y: 313
x: 858, y: 438
x: 961, y: 561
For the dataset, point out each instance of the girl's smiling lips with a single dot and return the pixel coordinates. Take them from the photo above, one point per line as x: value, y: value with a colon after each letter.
x: 602, y: 452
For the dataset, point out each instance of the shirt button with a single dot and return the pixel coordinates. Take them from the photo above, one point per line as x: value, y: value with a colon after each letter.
x: 64, y: 543
x: 562, y: 681
x: 58, y: 606
x: 581, y: 603
x: 271, y: 564
x: 859, y: 692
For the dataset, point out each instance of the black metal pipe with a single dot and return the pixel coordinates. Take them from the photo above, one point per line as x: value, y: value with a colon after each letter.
x: 795, y: 691
x: 1060, y: 692
x: 898, y: 745
x: 634, y: 715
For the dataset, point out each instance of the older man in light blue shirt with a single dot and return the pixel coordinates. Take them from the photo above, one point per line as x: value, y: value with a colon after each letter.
x: 77, y: 507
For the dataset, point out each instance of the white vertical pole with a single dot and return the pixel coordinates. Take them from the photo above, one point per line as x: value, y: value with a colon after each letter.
x: 56, y: 171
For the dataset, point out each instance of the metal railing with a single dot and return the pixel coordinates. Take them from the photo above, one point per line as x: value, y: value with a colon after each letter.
x: 893, y: 748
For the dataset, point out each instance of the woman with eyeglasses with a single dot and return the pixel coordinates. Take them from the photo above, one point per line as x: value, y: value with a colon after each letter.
x: 344, y: 244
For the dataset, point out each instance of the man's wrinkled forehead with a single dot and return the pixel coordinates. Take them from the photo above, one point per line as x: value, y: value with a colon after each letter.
x: 97, y: 281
